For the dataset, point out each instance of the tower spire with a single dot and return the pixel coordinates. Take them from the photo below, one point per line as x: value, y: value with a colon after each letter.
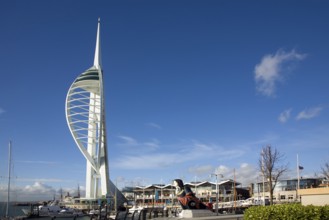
x: 85, y: 116
x: 97, y: 58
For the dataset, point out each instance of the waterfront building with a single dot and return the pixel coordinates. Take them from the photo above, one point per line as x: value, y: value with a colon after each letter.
x: 315, y: 196
x: 160, y: 194
x: 85, y: 114
x: 285, y: 190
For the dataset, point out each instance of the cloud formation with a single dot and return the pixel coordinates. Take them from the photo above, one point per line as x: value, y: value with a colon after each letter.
x: 189, y: 152
x: 130, y: 143
x: 2, y: 111
x: 37, y: 162
x: 38, y: 191
x: 245, y: 174
x: 201, y: 170
x: 284, y: 116
x: 42, y: 180
x: 309, y: 113
x: 270, y: 70
x: 154, y: 125
x: 127, y: 141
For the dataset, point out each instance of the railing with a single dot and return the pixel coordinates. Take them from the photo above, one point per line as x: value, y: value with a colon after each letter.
x: 144, y: 214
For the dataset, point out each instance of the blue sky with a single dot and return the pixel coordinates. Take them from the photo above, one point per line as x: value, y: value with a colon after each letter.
x: 191, y: 88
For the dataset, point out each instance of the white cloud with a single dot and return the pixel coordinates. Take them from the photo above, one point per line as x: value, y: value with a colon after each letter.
x: 269, y: 71
x: 38, y: 191
x: 201, y: 170
x: 159, y: 160
x: 284, y: 116
x: 39, y: 187
x: 154, y: 143
x: 43, y: 180
x: 130, y: 143
x: 309, y: 113
x: 2, y: 110
x: 224, y: 170
x: 120, y: 179
x: 37, y: 162
x: 154, y: 125
x: 150, y: 161
x: 245, y: 174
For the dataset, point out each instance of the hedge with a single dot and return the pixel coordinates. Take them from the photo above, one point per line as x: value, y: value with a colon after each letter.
x: 287, y: 212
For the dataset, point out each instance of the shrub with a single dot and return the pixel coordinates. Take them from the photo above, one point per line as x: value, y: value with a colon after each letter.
x: 287, y: 212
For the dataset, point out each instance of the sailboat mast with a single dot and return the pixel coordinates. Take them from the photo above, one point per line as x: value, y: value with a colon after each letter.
x: 234, y: 188
x: 9, y: 175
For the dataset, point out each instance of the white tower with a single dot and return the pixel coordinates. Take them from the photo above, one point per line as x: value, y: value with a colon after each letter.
x: 85, y: 115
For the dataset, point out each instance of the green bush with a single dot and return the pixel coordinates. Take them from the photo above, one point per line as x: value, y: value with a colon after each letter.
x: 287, y: 212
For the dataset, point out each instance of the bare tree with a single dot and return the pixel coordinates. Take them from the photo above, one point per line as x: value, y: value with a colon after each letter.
x: 325, y: 170
x: 272, y: 167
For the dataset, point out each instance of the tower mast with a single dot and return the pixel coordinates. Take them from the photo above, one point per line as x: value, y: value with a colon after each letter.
x: 97, y: 57
x: 9, y: 177
x: 85, y: 116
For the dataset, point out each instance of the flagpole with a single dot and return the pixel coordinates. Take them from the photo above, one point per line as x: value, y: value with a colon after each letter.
x: 297, y: 177
x: 263, y: 169
x: 9, y: 176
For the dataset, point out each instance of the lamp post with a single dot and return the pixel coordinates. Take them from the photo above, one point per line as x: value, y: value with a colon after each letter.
x: 116, y: 195
x: 263, y: 172
x: 195, y: 189
x: 143, y: 182
x: 217, y: 194
x: 143, y: 196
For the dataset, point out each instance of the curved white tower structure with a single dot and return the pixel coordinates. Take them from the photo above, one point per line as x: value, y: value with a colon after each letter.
x: 85, y: 115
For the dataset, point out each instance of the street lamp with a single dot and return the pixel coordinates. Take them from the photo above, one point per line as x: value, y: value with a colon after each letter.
x: 263, y: 172
x: 143, y: 196
x: 143, y: 188
x: 195, y: 187
x: 217, y: 194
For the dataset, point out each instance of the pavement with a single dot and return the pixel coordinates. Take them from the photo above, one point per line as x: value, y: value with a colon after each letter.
x: 220, y: 216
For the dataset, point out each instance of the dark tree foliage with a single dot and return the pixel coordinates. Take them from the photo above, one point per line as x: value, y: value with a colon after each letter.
x: 272, y: 167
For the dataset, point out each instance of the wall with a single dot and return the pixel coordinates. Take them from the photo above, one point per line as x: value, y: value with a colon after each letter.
x: 314, y: 196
